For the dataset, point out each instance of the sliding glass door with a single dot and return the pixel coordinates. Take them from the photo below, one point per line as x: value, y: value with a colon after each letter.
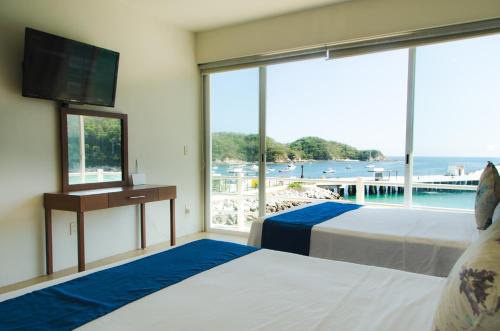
x: 334, y: 124
x: 405, y: 127
x: 234, y: 153
x: 457, y: 118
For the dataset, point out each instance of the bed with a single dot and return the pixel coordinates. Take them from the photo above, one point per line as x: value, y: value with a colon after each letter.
x: 422, y: 241
x: 258, y: 290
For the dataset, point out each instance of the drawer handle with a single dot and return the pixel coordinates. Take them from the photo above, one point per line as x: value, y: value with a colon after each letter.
x: 137, y: 197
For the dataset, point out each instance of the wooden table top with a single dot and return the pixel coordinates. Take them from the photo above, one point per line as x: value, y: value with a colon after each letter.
x: 110, y: 190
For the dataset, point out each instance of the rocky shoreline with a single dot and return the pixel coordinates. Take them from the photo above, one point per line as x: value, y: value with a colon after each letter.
x: 225, y: 210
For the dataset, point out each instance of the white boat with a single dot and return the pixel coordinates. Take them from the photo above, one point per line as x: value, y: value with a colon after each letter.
x: 289, y: 168
x: 236, y: 170
x: 254, y: 167
x: 370, y: 166
x: 376, y: 170
x: 329, y: 171
x: 215, y: 168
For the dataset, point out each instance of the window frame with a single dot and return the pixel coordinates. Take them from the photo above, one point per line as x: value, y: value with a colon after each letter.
x: 410, y: 40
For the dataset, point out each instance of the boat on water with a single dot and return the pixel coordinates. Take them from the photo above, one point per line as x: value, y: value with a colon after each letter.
x: 375, y: 169
x: 329, y: 171
x: 347, y: 160
x: 289, y: 167
x: 235, y: 170
x: 370, y: 166
x: 348, y: 167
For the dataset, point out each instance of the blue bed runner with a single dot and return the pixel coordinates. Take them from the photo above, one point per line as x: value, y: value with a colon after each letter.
x: 71, y: 304
x: 291, y: 231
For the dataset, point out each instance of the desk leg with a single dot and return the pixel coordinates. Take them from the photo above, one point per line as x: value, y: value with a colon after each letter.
x: 48, y: 241
x: 80, y: 220
x: 143, y: 225
x: 172, y: 222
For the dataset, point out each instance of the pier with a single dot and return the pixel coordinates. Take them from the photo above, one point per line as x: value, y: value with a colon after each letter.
x: 366, y: 186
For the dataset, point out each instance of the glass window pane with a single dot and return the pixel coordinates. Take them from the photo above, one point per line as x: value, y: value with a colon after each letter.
x: 332, y: 122
x: 457, y: 117
x: 234, y: 109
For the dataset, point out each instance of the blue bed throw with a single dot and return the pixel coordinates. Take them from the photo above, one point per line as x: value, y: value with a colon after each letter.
x: 71, y: 304
x: 291, y: 231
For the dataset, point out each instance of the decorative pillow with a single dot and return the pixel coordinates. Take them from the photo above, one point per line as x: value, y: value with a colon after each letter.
x: 487, y: 196
x: 471, y: 296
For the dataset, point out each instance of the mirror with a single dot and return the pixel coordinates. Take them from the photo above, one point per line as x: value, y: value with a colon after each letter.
x: 93, y: 145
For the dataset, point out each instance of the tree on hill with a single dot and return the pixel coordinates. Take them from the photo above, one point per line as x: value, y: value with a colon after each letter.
x: 276, y: 152
x: 320, y: 149
x: 227, y: 146
x: 245, y: 147
x: 312, y: 148
x: 371, y: 154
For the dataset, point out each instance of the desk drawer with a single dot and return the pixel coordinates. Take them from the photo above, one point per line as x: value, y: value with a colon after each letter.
x: 132, y: 197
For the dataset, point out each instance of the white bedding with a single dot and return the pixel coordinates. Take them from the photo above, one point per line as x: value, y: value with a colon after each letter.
x: 421, y: 241
x: 269, y: 290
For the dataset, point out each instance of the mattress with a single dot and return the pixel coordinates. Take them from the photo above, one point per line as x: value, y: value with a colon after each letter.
x: 271, y: 290
x: 422, y: 241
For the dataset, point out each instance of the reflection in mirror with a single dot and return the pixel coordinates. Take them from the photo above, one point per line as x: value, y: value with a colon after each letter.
x: 94, y: 149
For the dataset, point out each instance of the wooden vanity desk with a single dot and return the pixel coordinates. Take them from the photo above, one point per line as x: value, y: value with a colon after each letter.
x: 103, y: 198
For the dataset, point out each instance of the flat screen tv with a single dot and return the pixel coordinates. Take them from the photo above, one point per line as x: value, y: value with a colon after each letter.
x: 68, y: 71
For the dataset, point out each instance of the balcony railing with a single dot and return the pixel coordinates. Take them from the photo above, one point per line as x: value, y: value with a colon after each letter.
x: 238, y: 194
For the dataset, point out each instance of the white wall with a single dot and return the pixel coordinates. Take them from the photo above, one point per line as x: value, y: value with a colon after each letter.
x: 158, y: 87
x: 336, y: 23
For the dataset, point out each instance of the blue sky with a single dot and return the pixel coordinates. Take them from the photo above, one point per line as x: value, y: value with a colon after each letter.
x: 361, y: 100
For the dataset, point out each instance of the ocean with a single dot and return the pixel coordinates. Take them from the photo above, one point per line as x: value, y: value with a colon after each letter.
x: 423, y: 166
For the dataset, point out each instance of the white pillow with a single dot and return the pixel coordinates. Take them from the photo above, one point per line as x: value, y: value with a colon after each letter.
x: 496, y: 214
x: 470, y: 300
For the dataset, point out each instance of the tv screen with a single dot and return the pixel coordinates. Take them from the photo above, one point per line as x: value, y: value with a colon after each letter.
x: 69, y: 71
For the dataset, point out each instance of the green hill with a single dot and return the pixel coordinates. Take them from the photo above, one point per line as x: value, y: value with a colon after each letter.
x: 245, y: 147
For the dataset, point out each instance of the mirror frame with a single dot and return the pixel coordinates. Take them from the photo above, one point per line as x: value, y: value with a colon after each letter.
x: 66, y: 187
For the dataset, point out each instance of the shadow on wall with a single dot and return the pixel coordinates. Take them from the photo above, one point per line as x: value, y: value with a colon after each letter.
x: 27, y: 215
x: 11, y: 61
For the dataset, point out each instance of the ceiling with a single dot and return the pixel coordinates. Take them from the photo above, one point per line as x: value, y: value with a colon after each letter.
x: 201, y: 15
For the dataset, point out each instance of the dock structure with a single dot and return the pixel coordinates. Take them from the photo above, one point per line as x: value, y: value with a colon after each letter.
x: 395, y: 185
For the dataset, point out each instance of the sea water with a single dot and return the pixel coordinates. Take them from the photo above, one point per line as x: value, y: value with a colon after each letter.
x: 393, y: 167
